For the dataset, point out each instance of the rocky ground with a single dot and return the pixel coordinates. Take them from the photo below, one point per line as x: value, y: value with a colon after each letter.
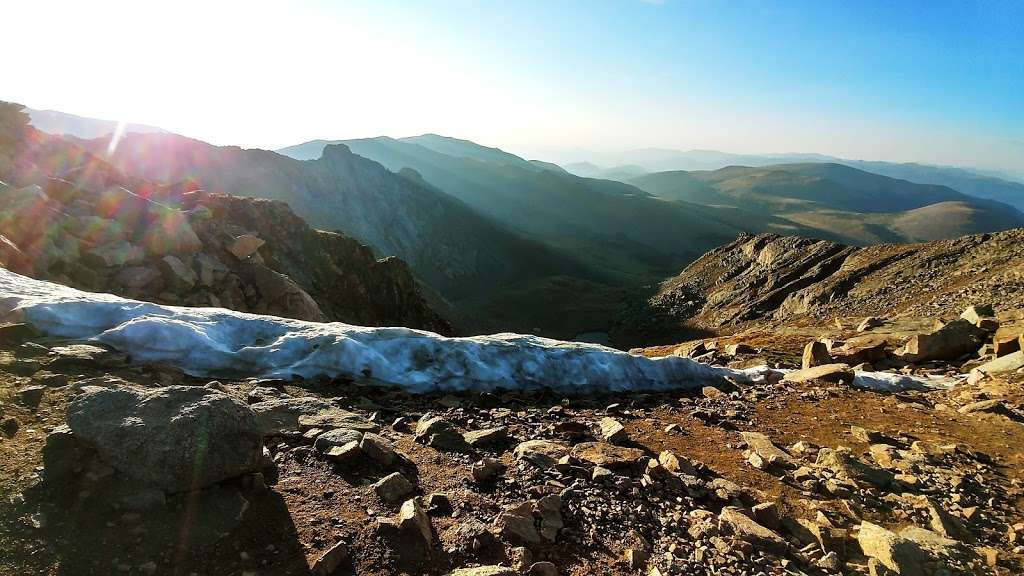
x: 111, y: 468
x: 770, y: 280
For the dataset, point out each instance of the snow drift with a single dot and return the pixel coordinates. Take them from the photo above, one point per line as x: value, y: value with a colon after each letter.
x: 216, y: 342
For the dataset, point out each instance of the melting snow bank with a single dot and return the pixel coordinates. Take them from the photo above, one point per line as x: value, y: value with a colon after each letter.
x: 222, y: 343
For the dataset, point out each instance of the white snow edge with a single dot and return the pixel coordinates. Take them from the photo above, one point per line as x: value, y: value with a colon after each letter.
x: 214, y: 342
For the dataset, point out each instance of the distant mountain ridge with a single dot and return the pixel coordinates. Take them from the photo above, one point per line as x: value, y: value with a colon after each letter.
x: 62, y: 123
x: 838, y: 201
x: 972, y: 182
x: 615, y: 225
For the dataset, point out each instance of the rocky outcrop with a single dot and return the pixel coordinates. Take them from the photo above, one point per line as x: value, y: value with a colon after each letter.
x: 215, y: 250
x: 782, y: 278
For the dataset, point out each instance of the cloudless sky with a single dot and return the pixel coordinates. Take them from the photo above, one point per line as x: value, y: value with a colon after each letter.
x: 931, y: 81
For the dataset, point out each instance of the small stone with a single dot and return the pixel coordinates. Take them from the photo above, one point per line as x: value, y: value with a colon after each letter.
x: 343, y: 454
x: 440, y: 434
x: 712, y: 392
x: 549, y: 508
x: 541, y: 453
x: 330, y: 560
x: 836, y: 373
x: 830, y: 562
x: 378, y: 449
x: 845, y: 465
x: 867, y: 436
x: 636, y: 558
x: 521, y: 558
x: 763, y: 447
x: 543, y: 569
x: 484, y: 571
x: 894, y: 552
x: 393, y: 488
x: 517, y: 523
x: 438, y: 504
x: 9, y: 426
x: 675, y: 463
x: 815, y: 354
x: 606, y: 455
x: 746, y: 529
x: 612, y: 430
x: 767, y: 514
x: 412, y: 517
x: 994, y: 406
x: 486, y: 437
x: 1005, y: 345
x: 336, y: 438
x: 487, y: 469
x: 178, y: 275
x: 737, y: 349
x: 31, y: 396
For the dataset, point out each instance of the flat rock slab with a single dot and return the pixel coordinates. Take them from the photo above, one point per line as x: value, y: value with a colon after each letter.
x: 486, y: 437
x: 337, y: 418
x: 336, y: 438
x: 606, y: 455
x: 827, y: 372
x: 896, y: 553
x: 846, y: 465
x: 767, y: 450
x: 1009, y: 363
x: 541, y: 453
x: 281, y: 415
x: 746, y: 529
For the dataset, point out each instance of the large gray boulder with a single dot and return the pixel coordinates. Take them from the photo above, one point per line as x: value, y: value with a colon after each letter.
x: 176, y: 438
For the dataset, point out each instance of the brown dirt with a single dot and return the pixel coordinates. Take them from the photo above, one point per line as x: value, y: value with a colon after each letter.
x: 311, y: 505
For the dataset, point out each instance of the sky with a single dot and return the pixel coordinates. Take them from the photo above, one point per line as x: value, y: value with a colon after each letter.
x: 934, y: 81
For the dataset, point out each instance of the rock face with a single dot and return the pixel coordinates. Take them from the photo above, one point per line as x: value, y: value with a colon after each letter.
x: 787, y: 277
x: 176, y: 438
x: 197, y: 249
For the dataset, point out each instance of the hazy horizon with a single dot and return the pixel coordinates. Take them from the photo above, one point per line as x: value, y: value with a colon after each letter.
x: 935, y: 83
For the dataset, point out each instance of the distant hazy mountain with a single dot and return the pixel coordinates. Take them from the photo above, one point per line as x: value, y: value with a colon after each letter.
x: 452, y: 247
x: 959, y: 179
x: 972, y: 182
x: 54, y: 122
x: 839, y: 201
x: 621, y: 173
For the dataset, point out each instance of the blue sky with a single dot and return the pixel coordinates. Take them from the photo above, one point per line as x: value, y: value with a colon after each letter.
x: 927, y: 81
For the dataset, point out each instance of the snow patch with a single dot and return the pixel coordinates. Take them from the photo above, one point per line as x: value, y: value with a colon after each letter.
x: 214, y: 342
